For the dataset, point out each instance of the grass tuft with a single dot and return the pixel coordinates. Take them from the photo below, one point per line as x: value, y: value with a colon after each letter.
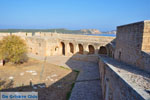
x: 64, y: 67
x: 69, y: 93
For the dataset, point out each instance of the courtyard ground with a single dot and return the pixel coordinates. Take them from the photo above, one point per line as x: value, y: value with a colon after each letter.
x: 51, y: 81
x: 87, y: 85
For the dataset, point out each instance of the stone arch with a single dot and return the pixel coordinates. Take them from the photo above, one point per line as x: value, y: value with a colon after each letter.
x: 91, y: 49
x: 63, y: 48
x: 110, y: 49
x: 81, y: 50
x: 103, y: 50
x: 71, y: 47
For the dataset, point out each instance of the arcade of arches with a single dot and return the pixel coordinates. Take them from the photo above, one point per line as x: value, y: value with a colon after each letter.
x: 91, y: 49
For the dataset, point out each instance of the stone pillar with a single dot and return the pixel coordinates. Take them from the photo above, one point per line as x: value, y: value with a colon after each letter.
x: 60, y: 49
x: 67, y: 48
x: 86, y: 49
x: 96, y: 49
x: 76, y: 48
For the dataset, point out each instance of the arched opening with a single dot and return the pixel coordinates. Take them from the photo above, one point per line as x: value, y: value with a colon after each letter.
x: 63, y: 48
x: 71, y: 47
x: 110, y: 49
x: 80, y: 49
x: 91, y: 49
x: 103, y: 50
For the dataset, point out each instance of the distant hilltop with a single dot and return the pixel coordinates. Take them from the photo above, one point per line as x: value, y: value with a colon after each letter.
x: 90, y: 31
x: 82, y: 31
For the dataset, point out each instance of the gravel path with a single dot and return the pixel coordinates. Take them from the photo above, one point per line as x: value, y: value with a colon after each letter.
x: 87, y: 85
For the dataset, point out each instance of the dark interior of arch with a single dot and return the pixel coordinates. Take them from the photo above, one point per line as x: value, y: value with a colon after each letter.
x: 80, y: 49
x: 71, y: 47
x: 102, y: 50
x: 91, y: 49
x: 63, y: 48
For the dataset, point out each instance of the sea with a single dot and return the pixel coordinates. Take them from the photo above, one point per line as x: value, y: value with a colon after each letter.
x: 110, y: 35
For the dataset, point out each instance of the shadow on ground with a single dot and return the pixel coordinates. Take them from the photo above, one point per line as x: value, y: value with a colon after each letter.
x: 60, y: 90
x: 84, y: 87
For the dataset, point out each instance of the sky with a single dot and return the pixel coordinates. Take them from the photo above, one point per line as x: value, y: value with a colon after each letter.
x: 104, y: 15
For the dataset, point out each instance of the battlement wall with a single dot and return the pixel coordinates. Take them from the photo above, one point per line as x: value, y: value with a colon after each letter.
x: 131, y: 41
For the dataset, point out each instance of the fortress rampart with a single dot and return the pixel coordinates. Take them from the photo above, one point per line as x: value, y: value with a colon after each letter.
x: 122, y: 77
x: 133, y: 44
x: 124, y: 61
x: 53, y: 44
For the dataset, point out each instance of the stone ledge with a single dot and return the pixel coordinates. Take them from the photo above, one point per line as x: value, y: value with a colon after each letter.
x: 135, y: 80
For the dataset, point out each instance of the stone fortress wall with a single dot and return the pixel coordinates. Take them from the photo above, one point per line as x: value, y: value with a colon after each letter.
x: 69, y: 44
x: 124, y: 61
x: 78, y: 46
x: 133, y: 44
x: 130, y: 46
x: 127, y: 75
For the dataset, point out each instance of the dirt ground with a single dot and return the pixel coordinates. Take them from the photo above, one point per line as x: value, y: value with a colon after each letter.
x: 50, y: 81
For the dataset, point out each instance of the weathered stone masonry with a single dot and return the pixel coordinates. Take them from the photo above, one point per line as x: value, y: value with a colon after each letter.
x: 122, y: 82
x: 122, y: 77
x: 53, y: 44
x: 133, y: 44
x: 129, y: 80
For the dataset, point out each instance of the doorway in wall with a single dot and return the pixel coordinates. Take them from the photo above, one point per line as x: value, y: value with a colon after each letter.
x: 103, y: 50
x: 63, y: 48
x: 91, y: 49
x: 80, y: 48
x: 71, y: 47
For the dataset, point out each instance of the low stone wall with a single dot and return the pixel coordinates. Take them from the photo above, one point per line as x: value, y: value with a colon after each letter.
x: 75, y: 37
x: 88, y: 58
x: 116, y: 84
